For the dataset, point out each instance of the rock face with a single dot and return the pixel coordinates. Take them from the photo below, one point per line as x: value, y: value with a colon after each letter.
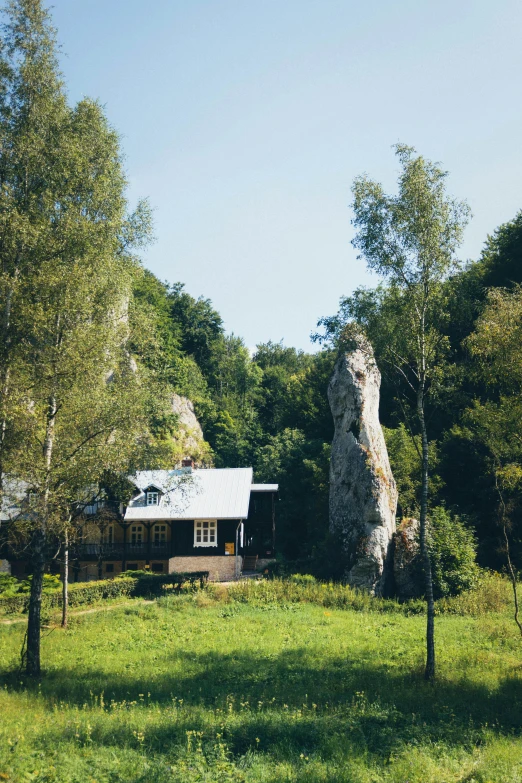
x: 190, y: 441
x: 184, y: 409
x: 407, y: 568
x: 363, y: 495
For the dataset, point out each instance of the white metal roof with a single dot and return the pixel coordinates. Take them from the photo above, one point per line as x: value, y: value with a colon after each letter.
x: 193, y: 494
x: 264, y: 488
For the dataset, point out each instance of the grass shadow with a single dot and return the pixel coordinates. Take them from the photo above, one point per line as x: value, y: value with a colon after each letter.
x: 364, y: 705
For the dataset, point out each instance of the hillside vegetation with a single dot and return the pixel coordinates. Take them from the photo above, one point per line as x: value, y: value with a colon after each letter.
x: 270, y: 410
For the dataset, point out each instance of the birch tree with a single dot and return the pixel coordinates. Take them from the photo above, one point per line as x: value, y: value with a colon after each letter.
x: 72, y: 403
x: 410, y: 240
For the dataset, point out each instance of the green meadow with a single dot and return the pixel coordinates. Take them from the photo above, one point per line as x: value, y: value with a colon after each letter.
x: 248, y: 686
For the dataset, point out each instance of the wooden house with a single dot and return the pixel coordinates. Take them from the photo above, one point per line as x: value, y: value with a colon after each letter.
x: 190, y: 519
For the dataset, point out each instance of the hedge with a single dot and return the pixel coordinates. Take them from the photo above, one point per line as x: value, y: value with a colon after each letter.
x: 135, y: 584
x: 153, y: 585
x: 80, y: 593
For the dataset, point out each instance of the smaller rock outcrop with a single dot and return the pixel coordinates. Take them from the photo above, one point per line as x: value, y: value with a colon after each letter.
x: 184, y: 409
x: 363, y: 495
x: 407, y: 568
x: 189, y: 438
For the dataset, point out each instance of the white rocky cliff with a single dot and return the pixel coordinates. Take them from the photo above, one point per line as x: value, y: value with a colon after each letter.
x: 363, y: 495
x: 189, y: 437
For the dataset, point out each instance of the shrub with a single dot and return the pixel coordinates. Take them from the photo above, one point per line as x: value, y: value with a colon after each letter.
x: 453, y: 552
x: 80, y: 593
x: 88, y: 592
x: 492, y: 593
x: 10, y: 585
x: 302, y: 579
x: 151, y: 585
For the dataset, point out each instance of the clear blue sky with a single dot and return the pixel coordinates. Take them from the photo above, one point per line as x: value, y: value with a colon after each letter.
x: 244, y: 122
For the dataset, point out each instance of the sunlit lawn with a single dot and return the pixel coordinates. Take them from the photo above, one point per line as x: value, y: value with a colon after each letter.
x: 191, y: 690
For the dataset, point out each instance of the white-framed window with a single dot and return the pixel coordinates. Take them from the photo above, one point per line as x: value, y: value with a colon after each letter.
x: 152, y: 498
x: 108, y: 535
x: 136, y: 535
x: 205, y: 532
x: 160, y: 534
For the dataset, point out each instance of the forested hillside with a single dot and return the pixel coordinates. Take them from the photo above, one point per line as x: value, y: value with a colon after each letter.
x: 473, y: 413
x: 271, y: 410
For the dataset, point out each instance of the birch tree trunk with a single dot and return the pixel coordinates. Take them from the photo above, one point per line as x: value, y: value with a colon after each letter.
x: 5, y: 371
x: 65, y: 588
x: 39, y: 554
x: 33, y: 665
x: 429, y: 672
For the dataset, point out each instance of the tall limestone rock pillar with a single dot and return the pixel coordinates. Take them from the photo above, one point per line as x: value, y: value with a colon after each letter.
x: 363, y: 495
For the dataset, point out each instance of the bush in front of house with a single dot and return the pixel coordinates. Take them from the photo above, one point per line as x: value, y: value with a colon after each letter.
x: 151, y: 585
x: 80, y: 594
x: 14, y: 593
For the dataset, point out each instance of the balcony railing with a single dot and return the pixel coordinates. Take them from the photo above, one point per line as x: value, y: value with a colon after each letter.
x: 119, y: 552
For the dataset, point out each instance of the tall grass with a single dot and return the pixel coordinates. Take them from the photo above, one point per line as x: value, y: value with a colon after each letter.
x: 261, y: 683
x: 492, y: 594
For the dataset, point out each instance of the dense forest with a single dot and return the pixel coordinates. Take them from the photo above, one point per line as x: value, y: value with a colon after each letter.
x: 270, y: 410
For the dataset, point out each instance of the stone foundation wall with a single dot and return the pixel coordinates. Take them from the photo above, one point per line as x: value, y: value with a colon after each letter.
x: 221, y: 568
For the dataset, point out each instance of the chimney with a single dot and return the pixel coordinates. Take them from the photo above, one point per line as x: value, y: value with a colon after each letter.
x: 188, y: 462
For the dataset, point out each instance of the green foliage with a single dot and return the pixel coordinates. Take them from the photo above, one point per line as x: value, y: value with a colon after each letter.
x: 500, y: 263
x: 302, y: 579
x: 150, y: 585
x: 300, y: 465
x: 405, y: 460
x: 9, y: 585
x: 304, y: 588
x: 67, y: 267
x: 73, y: 403
x: 80, y: 594
x: 453, y: 552
x: 200, y: 328
x: 248, y: 406
x: 491, y: 595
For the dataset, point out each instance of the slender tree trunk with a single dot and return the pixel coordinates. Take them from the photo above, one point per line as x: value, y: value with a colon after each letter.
x: 65, y: 588
x: 5, y: 371
x: 429, y: 672
x: 33, y: 667
x: 40, y: 542
x: 512, y: 573
x: 513, y: 577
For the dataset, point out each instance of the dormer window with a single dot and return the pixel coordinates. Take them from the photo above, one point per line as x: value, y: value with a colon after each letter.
x: 152, y: 498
